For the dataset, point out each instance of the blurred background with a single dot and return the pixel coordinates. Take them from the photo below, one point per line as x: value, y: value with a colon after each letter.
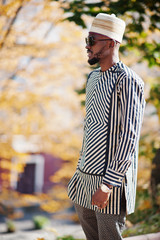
x: 43, y: 70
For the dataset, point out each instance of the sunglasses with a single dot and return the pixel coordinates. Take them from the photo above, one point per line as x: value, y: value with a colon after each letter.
x: 90, y: 40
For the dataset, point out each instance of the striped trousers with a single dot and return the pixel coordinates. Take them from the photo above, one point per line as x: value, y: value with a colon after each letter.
x: 100, y: 226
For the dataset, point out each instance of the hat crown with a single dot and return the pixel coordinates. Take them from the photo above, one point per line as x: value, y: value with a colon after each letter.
x: 108, y: 25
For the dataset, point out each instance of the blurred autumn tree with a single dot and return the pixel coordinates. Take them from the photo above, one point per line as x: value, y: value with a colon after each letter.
x: 42, y: 62
x: 39, y: 71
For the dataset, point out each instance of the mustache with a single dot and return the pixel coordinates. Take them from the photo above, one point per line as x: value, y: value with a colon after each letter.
x: 89, y: 51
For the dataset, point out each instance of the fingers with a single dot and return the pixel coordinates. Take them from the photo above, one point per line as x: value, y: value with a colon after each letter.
x: 100, y: 205
x: 103, y: 205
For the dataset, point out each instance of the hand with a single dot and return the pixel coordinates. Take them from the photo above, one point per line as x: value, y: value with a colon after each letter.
x: 100, y: 199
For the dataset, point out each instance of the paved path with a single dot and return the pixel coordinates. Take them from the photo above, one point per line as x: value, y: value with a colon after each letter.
x: 51, y: 233
x: 25, y: 231
x: 48, y: 234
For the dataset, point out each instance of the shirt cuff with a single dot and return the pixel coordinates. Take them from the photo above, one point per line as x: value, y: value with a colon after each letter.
x: 113, y: 178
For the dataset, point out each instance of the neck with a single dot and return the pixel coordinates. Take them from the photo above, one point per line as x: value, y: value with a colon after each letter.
x: 108, y: 62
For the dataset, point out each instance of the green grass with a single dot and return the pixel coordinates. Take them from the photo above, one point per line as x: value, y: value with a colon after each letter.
x: 69, y: 237
x: 144, y: 222
x: 40, y: 222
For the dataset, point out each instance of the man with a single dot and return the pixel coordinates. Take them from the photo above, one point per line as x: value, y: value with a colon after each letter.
x: 103, y: 187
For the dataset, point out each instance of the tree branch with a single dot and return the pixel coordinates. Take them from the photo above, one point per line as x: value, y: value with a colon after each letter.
x: 10, y: 25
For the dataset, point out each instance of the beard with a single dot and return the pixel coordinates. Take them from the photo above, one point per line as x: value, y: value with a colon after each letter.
x: 93, y: 61
x: 96, y: 57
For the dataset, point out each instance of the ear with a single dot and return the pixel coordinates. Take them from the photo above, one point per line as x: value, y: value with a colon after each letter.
x: 112, y: 43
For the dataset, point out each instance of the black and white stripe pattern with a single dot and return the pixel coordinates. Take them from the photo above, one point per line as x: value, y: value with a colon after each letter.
x: 115, y: 105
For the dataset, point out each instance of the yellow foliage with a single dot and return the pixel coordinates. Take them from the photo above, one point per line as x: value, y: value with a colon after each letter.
x: 51, y: 206
x: 5, y: 164
x: 158, y: 200
x: 5, y: 176
x: 10, y: 8
x: 64, y: 174
x: 146, y: 204
x: 51, y: 229
x: 37, y: 97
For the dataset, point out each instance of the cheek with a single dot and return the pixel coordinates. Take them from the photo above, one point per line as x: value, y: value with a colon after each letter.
x: 106, y: 52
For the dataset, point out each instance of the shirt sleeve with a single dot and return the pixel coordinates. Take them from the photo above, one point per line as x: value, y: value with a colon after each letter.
x: 132, y: 105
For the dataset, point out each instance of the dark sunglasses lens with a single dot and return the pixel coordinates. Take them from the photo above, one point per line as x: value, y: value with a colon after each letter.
x: 90, y: 41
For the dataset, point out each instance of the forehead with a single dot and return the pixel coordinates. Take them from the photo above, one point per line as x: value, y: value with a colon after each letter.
x: 93, y: 34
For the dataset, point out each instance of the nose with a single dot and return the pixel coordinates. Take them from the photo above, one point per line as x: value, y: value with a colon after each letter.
x: 87, y: 46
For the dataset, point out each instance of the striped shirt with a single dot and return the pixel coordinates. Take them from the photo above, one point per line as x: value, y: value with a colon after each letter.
x: 114, y: 111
